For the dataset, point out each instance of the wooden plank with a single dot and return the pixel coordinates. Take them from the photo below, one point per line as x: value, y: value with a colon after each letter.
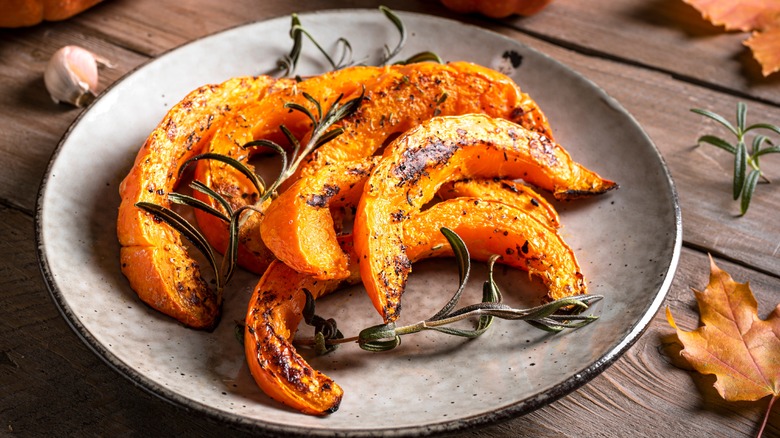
x: 152, y: 27
x: 660, y: 103
x: 31, y: 124
x: 51, y: 381
x: 702, y: 175
x: 667, y: 35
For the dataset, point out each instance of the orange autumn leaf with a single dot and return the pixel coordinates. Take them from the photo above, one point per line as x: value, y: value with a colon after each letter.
x: 744, y: 15
x: 766, y: 49
x: 733, y: 343
x: 760, y: 16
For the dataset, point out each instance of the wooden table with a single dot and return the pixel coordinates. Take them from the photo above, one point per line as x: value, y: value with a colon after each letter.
x: 658, y: 58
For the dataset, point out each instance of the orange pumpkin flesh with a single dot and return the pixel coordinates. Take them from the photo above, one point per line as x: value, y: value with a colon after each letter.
x: 509, y: 192
x: 298, y: 226
x: 492, y: 227
x: 406, y: 95
x: 153, y: 256
x: 275, y: 310
x: 441, y: 150
x: 428, y: 89
x: 487, y: 228
x: 261, y: 120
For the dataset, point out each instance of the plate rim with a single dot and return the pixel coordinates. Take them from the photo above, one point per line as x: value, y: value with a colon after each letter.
x: 513, y: 410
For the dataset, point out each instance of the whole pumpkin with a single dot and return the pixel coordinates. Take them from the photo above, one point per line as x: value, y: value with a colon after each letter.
x: 497, y: 8
x: 21, y: 13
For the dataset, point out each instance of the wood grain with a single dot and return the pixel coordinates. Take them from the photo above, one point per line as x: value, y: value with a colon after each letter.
x: 656, y: 57
x: 664, y: 35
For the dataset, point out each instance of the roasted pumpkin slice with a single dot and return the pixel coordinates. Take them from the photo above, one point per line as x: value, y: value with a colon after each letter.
x: 397, y: 98
x: 299, y: 229
x: 509, y: 192
x: 262, y: 120
x: 493, y: 227
x: 298, y: 226
x: 153, y: 256
x: 487, y: 228
x: 441, y: 150
x: 274, y: 312
x: 406, y: 95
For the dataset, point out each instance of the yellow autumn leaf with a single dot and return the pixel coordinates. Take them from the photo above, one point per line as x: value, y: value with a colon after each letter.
x: 733, y: 343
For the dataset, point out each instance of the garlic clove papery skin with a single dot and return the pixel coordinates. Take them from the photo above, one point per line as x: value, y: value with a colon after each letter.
x: 72, y: 76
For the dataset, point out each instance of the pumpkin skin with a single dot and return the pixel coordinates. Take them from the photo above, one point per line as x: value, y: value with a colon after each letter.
x: 153, y: 256
x: 22, y: 13
x: 298, y: 226
x: 442, y: 150
x: 497, y: 8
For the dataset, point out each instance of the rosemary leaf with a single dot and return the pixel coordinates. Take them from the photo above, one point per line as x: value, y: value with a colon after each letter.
x: 748, y: 189
x: 199, y: 186
x: 464, y: 268
x: 379, y: 338
x: 740, y: 168
x: 718, y: 118
x: 189, y: 201
x: 186, y: 229
x: 767, y: 126
x: 747, y: 169
x: 421, y: 57
x: 741, y: 116
x: 718, y: 142
x: 399, y: 25
x: 236, y: 164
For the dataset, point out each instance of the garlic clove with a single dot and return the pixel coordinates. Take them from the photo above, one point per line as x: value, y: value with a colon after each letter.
x: 72, y: 76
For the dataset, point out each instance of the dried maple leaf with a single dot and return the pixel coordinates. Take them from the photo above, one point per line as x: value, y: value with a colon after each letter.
x: 733, y: 343
x: 744, y: 15
x: 762, y: 16
x: 766, y: 49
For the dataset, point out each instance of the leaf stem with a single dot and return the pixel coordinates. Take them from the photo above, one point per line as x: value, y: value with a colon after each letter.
x: 766, y: 416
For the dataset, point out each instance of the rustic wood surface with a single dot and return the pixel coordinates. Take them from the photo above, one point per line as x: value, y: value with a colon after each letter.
x: 658, y: 58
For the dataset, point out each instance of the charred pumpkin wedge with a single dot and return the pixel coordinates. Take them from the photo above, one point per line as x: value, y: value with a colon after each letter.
x: 396, y: 98
x: 441, y: 150
x: 262, y: 120
x: 487, y: 228
x: 299, y: 229
x: 493, y: 227
x: 274, y: 312
x: 406, y: 95
x: 510, y: 192
x: 298, y: 226
x: 153, y: 256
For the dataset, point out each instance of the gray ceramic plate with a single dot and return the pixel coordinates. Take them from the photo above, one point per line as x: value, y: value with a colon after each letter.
x: 628, y: 243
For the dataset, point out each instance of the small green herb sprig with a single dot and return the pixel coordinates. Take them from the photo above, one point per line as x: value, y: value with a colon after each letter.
x: 747, y: 169
x: 554, y: 316
x: 343, y: 58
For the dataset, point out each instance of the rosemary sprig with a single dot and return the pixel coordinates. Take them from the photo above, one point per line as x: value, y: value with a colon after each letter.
x: 554, y: 316
x: 745, y: 182
x: 289, y: 62
x: 321, y: 134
